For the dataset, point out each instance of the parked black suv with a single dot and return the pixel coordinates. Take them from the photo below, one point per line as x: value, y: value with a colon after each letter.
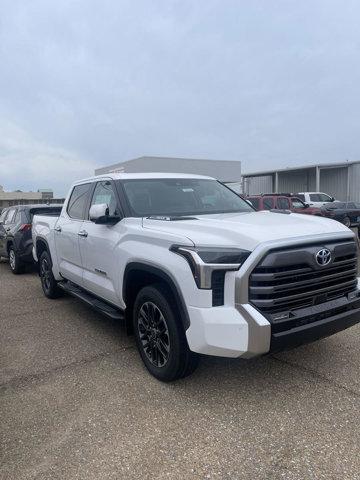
x: 347, y: 213
x: 15, y: 232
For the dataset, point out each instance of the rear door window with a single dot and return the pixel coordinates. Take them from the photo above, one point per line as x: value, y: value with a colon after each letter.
x: 78, y: 200
x: 10, y: 216
x: 268, y: 203
x: 319, y: 197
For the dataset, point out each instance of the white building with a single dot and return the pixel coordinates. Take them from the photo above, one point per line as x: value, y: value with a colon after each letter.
x: 8, y: 199
x: 340, y: 180
x: 224, y: 170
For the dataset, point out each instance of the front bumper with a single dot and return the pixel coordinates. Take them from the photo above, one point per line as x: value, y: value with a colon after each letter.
x: 245, y: 332
x: 337, y: 319
x: 218, y: 331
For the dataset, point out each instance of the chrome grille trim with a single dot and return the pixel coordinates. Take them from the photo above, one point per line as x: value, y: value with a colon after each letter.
x: 289, y: 278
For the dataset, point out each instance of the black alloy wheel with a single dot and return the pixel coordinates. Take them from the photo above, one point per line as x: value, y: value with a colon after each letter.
x: 15, y: 263
x: 48, y: 282
x: 160, y: 335
x: 154, y: 334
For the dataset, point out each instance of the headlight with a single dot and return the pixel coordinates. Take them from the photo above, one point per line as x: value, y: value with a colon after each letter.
x: 204, y: 261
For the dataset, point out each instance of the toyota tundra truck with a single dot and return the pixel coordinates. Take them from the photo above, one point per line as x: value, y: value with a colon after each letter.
x: 191, y: 268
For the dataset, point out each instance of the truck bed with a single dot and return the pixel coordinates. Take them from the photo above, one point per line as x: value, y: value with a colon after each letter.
x: 43, y: 228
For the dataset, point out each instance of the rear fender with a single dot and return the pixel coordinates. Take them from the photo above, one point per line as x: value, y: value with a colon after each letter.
x: 42, y: 244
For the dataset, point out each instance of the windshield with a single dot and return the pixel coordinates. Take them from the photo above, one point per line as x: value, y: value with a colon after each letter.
x: 178, y: 197
x: 254, y: 202
x: 297, y: 203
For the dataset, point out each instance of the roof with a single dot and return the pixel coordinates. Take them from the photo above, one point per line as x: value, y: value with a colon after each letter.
x: 303, y: 167
x: 142, y: 176
x: 273, y: 195
x: 323, y: 193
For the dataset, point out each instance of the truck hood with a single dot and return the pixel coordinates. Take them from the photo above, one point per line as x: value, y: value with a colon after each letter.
x: 245, y: 230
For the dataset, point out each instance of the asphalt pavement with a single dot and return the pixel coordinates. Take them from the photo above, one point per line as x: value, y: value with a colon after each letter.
x: 77, y: 403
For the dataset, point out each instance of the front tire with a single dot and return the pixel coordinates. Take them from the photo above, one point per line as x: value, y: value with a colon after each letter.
x: 160, y: 336
x: 15, y: 263
x: 48, y: 282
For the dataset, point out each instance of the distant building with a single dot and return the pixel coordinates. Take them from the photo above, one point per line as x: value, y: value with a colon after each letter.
x: 340, y: 180
x: 228, y: 171
x: 46, y: 193
x: 8, y: 199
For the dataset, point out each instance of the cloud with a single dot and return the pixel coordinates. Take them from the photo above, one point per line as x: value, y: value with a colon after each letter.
x: 271, y: 83
x: 29, y: 164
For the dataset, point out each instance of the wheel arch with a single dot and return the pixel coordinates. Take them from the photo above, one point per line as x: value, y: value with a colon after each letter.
x: 138, y: 275
x: 41, y: 246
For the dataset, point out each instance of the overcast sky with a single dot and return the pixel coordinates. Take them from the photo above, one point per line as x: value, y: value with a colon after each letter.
x: 88, y: 83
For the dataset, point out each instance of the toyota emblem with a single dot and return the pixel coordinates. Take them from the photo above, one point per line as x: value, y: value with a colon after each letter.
x: 323, y: 257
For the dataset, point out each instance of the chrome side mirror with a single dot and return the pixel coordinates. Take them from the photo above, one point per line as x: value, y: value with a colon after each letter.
x: 100, y: 214
x: 98, y: 211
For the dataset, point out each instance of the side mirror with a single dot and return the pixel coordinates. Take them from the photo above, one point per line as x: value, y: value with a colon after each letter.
x: 98, y: 211
x: 306, y: 205
x: 100, y: 214
x: 332, y: 199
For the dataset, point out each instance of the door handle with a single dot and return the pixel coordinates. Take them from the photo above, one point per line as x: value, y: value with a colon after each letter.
x: 57, y: 229
x: 83, y: 233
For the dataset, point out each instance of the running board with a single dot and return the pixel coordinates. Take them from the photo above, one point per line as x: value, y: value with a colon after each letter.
x: 91, y: 300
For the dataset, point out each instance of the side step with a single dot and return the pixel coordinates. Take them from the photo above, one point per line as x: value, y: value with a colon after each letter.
x: 92, y: 301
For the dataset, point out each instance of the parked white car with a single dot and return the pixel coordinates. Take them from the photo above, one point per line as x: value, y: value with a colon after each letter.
x: 193, y: 269
x: 315, y: 199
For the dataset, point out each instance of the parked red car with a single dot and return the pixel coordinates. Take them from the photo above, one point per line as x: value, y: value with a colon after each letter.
x: 283, y: 201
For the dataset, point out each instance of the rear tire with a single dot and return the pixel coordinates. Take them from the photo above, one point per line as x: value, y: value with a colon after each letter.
x: 15, y: 263
x: 160, y: 336
x: 48, y: 282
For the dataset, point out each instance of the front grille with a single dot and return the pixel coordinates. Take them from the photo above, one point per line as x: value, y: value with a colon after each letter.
x: 289, y: 279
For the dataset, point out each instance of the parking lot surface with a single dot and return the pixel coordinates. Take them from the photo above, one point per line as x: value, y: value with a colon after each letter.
x: 77, y: 403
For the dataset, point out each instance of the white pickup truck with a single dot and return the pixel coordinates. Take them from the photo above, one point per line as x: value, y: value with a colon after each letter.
x: 193, y: 269
x: 316, y: 199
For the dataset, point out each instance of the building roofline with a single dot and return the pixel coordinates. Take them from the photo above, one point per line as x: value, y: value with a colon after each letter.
x: 303, y: 167
x: 183, y: 158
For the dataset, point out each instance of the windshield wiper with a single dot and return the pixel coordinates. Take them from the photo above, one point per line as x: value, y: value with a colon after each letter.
x: 170, y: 218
